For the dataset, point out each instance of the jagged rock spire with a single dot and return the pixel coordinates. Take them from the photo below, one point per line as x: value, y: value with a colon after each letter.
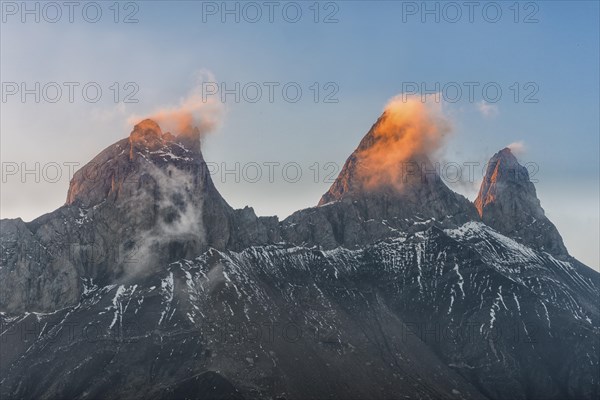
x: 508, y: 202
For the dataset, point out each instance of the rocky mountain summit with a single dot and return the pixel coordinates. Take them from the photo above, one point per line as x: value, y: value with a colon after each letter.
x: 147, y: 284
x: 508, y: 202
x: 360, y: 212
x: 141, y: 203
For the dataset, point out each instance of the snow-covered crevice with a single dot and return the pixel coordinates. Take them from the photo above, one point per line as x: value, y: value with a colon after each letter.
x: 167, y: 293
x: 120, y: 303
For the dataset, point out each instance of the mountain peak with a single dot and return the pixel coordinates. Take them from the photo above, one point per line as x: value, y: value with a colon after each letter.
x: 157, y: 193
x: 507, y: 154
x: 147, y: 135
x: 508, y: 202
x: 147, y: 127
x: 390, y: 174
x: 502, y: 170
x: 117, y: 172
x: 393, y: 155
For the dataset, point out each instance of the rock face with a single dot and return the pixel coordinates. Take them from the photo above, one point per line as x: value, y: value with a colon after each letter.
x: 508, y: 202
x: 157, y: 186
x: 146, y: 284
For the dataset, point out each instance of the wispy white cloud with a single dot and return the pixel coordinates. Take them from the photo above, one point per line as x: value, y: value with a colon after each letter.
x: 518, y: 148
x: 487, y: 110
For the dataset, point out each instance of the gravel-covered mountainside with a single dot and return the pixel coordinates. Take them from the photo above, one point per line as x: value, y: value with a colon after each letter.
x: 146, y: 284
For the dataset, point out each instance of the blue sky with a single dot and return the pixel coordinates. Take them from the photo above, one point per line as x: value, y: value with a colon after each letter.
x: 373, y: 51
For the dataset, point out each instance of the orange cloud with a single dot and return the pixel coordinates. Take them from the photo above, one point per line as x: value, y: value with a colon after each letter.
x: 193, y: 117
x: 408, y: 130
x: 191, y: 113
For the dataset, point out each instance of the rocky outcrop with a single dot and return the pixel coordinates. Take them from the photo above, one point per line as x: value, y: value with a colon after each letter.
x: 507, y: 201
x: 35, y: 271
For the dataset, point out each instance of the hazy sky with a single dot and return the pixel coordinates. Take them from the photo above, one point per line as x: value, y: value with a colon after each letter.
x: 348, y: 59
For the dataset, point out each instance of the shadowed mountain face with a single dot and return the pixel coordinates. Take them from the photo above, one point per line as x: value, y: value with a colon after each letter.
x: 147, y: 284
x: 507, y: 202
